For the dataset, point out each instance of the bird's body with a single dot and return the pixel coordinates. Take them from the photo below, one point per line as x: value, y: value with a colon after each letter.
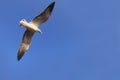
x: 29, y: 25
x: 31, y: 28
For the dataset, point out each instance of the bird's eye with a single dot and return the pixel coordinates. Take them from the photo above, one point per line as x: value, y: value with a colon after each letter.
x: 23, y: 20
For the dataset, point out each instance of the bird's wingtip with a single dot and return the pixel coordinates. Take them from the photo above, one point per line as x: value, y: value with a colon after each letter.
x: 19, y: 57
x: 53, y: 2
x: 51, y: 6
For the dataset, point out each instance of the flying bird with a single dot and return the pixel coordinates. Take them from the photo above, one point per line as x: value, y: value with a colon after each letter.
x: 31, y: 28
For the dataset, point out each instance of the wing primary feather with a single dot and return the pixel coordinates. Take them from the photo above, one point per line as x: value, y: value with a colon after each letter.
x: 43, y: 17
x: 27, y: 38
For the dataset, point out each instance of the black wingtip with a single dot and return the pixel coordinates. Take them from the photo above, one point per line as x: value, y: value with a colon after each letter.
x: 53, y: 3
x: 18, y: 59
x: 51, y: 6
x: 19, y: 56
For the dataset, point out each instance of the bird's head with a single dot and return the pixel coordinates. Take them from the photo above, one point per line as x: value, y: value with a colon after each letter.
x: 23, y: 22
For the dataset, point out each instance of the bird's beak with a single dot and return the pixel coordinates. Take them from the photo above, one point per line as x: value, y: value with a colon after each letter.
x: 20, y: 24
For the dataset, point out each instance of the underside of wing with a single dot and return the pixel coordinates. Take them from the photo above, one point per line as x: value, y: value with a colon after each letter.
x: 41, y: 18
x: 27, y: 37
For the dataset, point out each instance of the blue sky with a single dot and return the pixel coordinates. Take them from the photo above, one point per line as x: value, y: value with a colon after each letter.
x: 80, y: 41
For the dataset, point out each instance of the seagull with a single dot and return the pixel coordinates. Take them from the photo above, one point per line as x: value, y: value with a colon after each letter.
x: 31, y: 28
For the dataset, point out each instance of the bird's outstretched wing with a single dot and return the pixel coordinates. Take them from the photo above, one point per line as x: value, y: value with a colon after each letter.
x: 27, y: 38
x: 41, y: 18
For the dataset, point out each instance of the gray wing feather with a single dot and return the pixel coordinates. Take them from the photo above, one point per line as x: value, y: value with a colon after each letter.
x: 41, y: 18
x: 27, y: 38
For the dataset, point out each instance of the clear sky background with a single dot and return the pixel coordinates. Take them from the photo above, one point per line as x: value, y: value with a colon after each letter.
x: 80, y: 41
